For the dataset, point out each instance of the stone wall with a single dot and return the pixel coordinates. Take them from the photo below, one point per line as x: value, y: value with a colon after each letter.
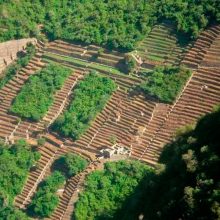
x: 9, y: 49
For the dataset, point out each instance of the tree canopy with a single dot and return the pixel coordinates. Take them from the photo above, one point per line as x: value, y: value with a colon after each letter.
x: 89, y: 98
x: 36, y: 96
x: 11, y: 213
x: 106, y: 191
x: 190, y: 16
x: 116, y: 24
x: 165, y: 83
x: 45, y: 200
x: 70, y: 164
x: 15, y: 162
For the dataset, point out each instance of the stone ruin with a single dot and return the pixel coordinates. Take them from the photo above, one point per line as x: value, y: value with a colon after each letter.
x: 114, y: 151
x: 9, y: 50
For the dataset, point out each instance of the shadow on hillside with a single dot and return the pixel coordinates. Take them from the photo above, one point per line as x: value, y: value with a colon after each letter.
x: 136, y: 91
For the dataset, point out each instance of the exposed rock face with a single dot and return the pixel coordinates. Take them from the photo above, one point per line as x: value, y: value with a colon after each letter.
x: 9, y: 49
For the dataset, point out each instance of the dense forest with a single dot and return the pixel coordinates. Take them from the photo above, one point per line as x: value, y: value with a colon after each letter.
x: 89, y: 98
x: 107, y: 190
x: 70, y: 164
x: 186, y: 182
x: 15, y: 163
x: 116, y: 24
x: 45, y: 200
x: 36, y: 96
x: 165, y: 83
x: 184, y: 185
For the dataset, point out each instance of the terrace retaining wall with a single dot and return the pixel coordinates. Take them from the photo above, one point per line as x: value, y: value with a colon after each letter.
x: 9, y: 50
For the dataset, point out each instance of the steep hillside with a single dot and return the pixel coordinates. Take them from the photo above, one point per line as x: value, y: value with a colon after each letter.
x: 185, y: 184
x: 111, y: 80
x: 118, y: 24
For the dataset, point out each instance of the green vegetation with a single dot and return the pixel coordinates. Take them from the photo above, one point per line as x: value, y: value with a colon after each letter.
x: 10, y: 213
x: 90, y: 97
x: 36, y: 95
x: 41, y: 141
x: 164, y: 44
x: 118, y: 24
x: 190, y: 16
x: 22, y: 60
x: 106, y: 191
x: 45, y: 200
x: 15, y: 162
x: 187, y: 184
x: 114, y: 23
x: 130, y: 64
x: 82, y: 63
x: 70, y: 164
x: 165, y: 83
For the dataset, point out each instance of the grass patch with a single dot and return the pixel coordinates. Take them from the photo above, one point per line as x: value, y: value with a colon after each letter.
x: 36, y: 95
x: 82, y: 63
x: 90, y: 97
x: 155, y: 58
x: 165, y: 83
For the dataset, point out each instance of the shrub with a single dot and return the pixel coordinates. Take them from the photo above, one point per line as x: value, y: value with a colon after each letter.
x: 113, y: 139
x: 130, y: 64
x: 70, y: 164
x: 100, y: 51
x: 41, y: 141
x: 165, y: 83
x: 36, y: 96
x: 90, y: 97
x: 24, y: 58
x: 45, y: 200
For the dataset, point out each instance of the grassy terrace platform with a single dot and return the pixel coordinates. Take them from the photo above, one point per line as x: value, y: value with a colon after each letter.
x: 98, y: 58
x: 164, y: 45
x: 81, y: 63
x: 123, y: 80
